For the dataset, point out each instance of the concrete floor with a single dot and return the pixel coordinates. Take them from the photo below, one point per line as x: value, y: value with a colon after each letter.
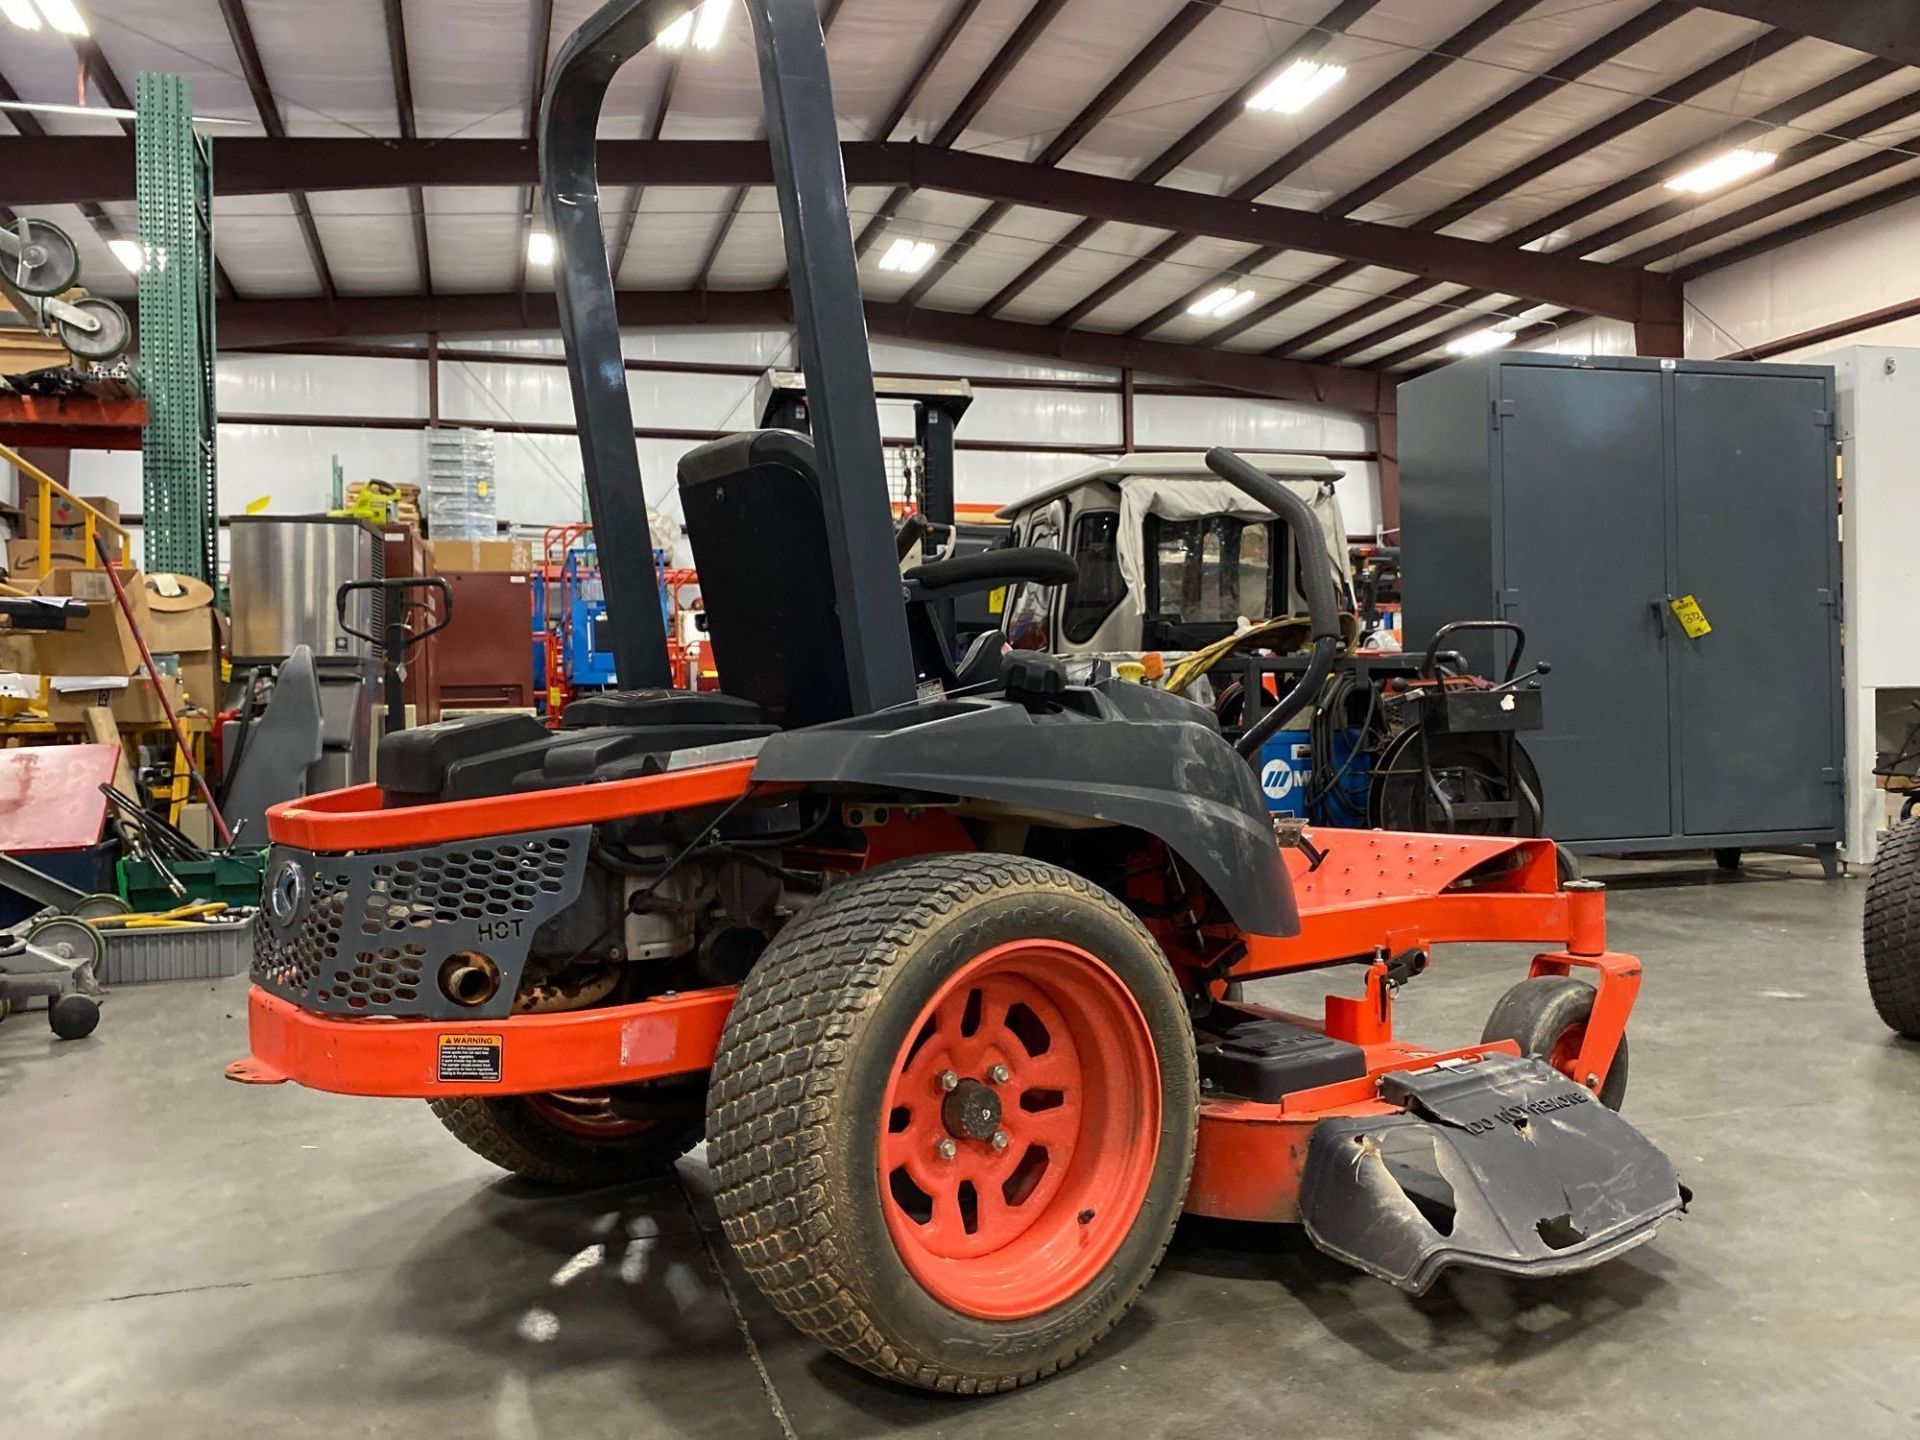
x: 180, y: 1256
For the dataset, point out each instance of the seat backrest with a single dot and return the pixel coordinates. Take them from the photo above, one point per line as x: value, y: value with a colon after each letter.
x: 758, y: 529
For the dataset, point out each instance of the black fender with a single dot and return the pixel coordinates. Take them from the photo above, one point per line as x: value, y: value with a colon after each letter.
x: 1115, y: 752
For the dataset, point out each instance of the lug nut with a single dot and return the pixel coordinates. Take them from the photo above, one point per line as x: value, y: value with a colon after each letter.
x: 998, y: 1074
x: 949, y: 1080
x: 946, y: 1149
x: 999, y: 1141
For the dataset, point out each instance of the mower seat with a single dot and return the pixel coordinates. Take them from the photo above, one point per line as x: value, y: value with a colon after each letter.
x: 617, y: 736
x: 758, y: 528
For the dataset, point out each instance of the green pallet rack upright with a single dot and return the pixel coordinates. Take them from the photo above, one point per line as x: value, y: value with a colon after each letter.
x: 174, y: 185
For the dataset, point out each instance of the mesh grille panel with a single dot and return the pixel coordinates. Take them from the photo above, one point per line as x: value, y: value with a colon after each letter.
x: 370, y: 932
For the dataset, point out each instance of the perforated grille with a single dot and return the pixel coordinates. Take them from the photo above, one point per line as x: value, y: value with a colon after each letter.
x: 295, y: 961
x: 466, y: 884
x: 372, y: 930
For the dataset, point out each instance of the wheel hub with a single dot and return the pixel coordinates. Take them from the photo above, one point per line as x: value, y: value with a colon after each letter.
x: 971, y: 1111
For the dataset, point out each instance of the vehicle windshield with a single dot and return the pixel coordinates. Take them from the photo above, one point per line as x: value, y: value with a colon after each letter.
x: 1214, y: 569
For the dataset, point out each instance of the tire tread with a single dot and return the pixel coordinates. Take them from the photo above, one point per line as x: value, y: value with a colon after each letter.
x: 786, y: 1042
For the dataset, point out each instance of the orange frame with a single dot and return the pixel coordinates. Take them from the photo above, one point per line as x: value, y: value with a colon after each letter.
x: 1364, y: 898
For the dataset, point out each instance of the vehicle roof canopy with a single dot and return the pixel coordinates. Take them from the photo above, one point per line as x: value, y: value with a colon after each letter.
x: 1181, y: 487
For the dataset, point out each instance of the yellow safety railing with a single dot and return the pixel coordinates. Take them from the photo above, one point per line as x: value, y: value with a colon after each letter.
x: 93, y: 522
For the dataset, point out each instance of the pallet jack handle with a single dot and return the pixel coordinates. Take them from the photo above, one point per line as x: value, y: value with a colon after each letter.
x: 166, y: 704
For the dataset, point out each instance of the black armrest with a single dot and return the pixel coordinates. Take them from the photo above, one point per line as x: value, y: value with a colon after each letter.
x: 996, y: 567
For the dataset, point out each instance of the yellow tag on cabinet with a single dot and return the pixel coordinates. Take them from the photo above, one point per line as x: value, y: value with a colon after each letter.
x: 255, y: 507
x: 1692, y: 618
x: 996, y: 599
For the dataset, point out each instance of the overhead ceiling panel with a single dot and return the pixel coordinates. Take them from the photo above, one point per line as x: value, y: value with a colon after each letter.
x: 368, y: 236
x: 258, y: 241
x: 1689, y: 40
x: 1902, y: 90
x: 474, y: 232
x: 1828, y: 200
x: 469, y: 62
x: 187, y: 39
x: 1073, y: 58
x: 326, y: 65
x: 1379, y: 46
x: 1699, y: 122
x: 1225, y: 51
x: 755, y: 255
x: 671, y: 237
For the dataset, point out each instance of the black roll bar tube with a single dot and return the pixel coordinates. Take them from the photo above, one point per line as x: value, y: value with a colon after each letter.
x: 1323, y: 606
x: 831, y: 331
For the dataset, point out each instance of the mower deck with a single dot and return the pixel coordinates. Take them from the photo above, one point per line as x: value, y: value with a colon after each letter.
x: 1374, y: 898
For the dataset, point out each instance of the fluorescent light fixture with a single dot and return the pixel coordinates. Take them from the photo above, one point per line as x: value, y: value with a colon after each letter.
x: 1218, y: 304
x: 101, y: 112
x: 63, y: 17
x: 1722, y: 170
x: 1297, y: 87
x: 540, y: 248
x: 21, y: 13
x: 702, y: 28
x: 1479, y: 342
x: 127, y: 252
x: 908, y: 256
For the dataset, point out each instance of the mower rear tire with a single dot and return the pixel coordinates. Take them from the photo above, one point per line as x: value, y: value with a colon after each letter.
x: 1547, y: 1016
x: 952, y: 1119
x: 1890, y: 932
x: 554, y: 1140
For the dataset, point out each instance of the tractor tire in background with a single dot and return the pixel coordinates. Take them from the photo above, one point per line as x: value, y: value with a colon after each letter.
x: 1890, y: 930
x: 952, y: 1119
x: 567, y: 1141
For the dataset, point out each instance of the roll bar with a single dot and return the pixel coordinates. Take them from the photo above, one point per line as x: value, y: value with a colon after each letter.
x: 811, y: 185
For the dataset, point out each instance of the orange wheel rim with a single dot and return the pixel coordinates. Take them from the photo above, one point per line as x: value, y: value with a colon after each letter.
x: 1566, y: 1049
x: 587, y: 1114
x: 1019, y: 1131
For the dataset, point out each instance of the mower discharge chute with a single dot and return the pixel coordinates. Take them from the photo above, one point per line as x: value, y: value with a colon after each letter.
x: 935, y: 957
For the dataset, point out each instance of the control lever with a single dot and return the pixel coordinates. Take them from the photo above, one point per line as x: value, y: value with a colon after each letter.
x: 1537, y: 672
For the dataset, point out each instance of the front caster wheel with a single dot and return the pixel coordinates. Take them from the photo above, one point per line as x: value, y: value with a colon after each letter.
x: 1547, y: 1016
x: 952, y: 1119
x: 575, y: 1141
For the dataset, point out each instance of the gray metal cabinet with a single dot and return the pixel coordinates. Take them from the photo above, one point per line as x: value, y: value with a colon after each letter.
x: 1577, y: 496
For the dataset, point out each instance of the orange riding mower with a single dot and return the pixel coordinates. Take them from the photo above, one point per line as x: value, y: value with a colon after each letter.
x: 942, y: 959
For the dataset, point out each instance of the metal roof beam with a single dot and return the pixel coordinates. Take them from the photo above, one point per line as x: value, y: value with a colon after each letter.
x: 234, y: 12
x: 403, y: 107
x: 1144, y: 62
x: 1641, y: 112
x: 1310, y: 43
x: 1891, y: 31
x: 1383, y: 97
x: 246, y: 324
x: 990, y: 79
x: 1905, y: 109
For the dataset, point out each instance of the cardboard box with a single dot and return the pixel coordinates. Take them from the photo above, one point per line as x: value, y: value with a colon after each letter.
x: 491, y: 556
x: 65, y: 512
x: 23, y: 556
x: 135, y: 704
x: 183, y: 632
x: 101, y: 644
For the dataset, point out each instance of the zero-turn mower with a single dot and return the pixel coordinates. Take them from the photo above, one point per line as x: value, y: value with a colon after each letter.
x: 936, y: 962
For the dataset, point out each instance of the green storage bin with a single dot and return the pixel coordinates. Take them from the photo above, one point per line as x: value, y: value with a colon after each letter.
x: 234, y: 878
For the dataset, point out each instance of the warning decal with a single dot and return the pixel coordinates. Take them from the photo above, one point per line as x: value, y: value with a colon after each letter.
x: 470, y: 1058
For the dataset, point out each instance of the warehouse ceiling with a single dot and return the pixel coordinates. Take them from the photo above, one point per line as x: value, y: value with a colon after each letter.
x: 1081, y: 174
